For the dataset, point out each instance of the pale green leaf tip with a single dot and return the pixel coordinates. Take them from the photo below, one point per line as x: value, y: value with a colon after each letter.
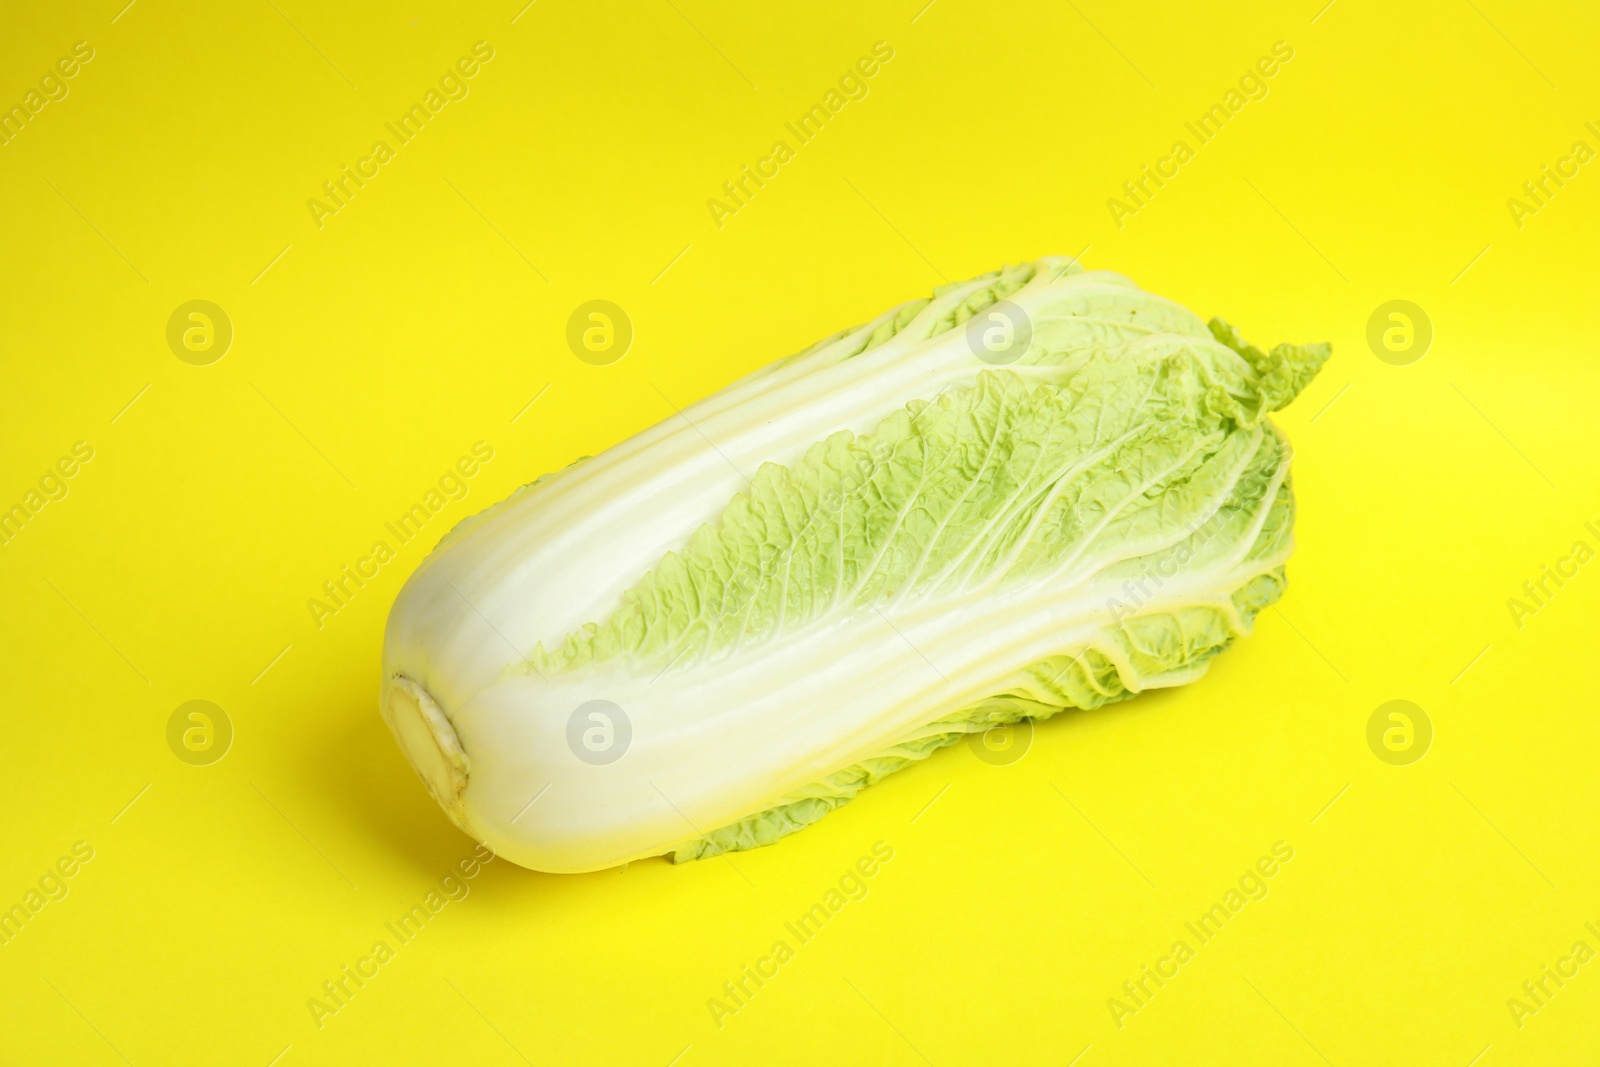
x: 1281, y: 373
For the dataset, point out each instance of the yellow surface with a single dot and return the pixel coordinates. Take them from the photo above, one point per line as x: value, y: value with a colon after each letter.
x: 428, y: 312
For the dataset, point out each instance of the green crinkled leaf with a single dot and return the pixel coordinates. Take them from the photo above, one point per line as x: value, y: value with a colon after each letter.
x: 1283, y: 372
x: 985, y: 485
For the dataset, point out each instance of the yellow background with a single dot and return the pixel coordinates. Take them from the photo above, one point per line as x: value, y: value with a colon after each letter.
x: 430, y: 311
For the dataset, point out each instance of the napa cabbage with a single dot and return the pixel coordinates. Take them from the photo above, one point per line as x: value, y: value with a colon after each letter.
x: 1043, y: 488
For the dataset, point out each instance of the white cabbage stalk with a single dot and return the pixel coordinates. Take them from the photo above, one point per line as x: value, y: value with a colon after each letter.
x: 712, y: 634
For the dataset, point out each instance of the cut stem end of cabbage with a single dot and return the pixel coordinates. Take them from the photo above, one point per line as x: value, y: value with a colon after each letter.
x: 430, y: 744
